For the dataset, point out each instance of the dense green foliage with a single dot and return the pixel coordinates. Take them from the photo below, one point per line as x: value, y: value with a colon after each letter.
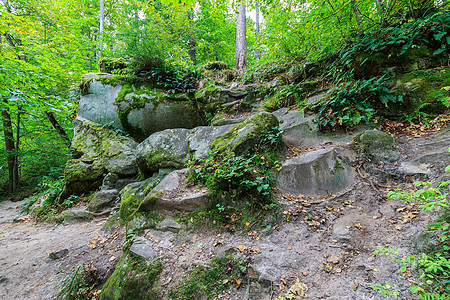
x: 246, y: 176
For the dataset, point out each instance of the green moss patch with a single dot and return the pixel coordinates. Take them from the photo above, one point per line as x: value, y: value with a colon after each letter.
x: 245, y: 135
x: 423, y: 91
x: 133, y: 278
x: 210, y: 280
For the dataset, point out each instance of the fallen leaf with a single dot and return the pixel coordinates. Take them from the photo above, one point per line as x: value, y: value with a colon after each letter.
x: 289, y: 248
x: 355, y: 286
x: 399, y: 228
x: 333, y: 259
x: 93, y: 244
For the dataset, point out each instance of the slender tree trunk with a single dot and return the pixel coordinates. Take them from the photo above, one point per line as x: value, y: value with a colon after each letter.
x: 191, y: 40
x: 241, y: 39
x: 10, y: 151
x: 258, y: 54
x: 102, y: 25
x: 357, y: 16
x: 16, y: 150
x: 58, y: 128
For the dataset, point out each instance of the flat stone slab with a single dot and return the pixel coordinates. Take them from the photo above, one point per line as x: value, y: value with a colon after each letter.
x: 317, y: 173
x: 173, y: 194
x: 141, y: 247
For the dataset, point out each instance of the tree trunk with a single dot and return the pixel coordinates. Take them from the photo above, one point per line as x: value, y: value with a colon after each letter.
x: 241, y: 39
x: 191, y: 40
x: 258, y: 54
x: 58, y: 128
x: 357, y: 16
x: 102, y: 25
x: 13, y: 168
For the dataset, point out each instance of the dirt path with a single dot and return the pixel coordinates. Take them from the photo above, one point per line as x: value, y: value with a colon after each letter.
x: 27, y: 271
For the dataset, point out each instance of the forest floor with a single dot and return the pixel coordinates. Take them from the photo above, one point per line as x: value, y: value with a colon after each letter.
x: 326, y: 244
x: 29, y: 270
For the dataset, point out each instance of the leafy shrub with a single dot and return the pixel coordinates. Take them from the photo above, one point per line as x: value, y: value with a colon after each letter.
x: 173, y: 79
x: 247, y: 176
x: 353, y: 102
x: 434, y: 265
x: 73, y: 286
x: 431, y: 31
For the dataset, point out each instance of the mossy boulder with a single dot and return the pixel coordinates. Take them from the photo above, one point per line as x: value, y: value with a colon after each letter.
x: 133, y: 278
x: 241, y: 137
x: 173, y: 148
x: 133, y: 195
x: 95, y: 143
x: 374, y: 140
x: 377, y: 145
x: 102, y: 199
x: 143, y: 110
x: 110, y: 64
x: 421, y: 91
x: 168, y: 148
x: 372, y: 64
x: 81, y: 177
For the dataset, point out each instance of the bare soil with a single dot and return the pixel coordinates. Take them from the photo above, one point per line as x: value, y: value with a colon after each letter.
x: 325, y: 243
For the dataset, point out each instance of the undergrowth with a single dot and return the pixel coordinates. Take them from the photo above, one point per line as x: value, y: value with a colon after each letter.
x: 238, y: 177
x: 353, y: 102
x: 433, y: 266
x: 73, y: 285
x: 49, y: 209
x: 212, y: 279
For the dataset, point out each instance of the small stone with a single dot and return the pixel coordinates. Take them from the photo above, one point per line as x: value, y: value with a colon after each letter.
x: 169, y: 225
x: 141, y: 247
x: 58, y: 254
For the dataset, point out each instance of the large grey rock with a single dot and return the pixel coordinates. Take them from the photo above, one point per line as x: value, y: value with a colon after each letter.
x: 94, y: 143
x: 173, y: 194
x: 141, y: 247
x: 97, y: 103
x: 300, y: 131
x: 81, y: 177
x: 317, y: 173
x: 103, y: 199
x: 137, y: 109
x: 173, y: 148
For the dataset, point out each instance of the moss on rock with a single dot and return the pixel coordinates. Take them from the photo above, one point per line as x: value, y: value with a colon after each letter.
x: 106, y: 147
x: 133, y: 204
x: 245, y: 135
x: 374, y: 140
x: 133, y: 278
x: 110, y: 64
x: 421, y: 91
x: 81, y: 177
